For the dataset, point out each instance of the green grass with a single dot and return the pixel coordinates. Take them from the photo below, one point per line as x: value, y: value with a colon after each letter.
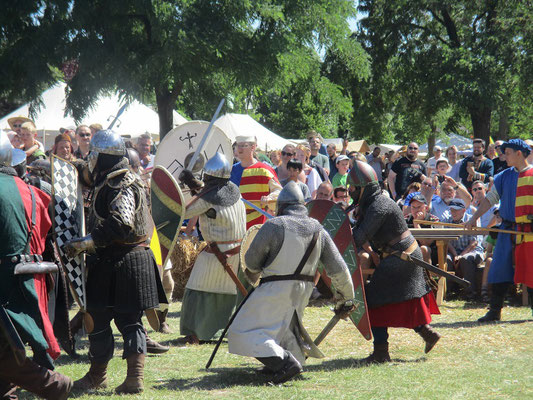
x: 471, y: 361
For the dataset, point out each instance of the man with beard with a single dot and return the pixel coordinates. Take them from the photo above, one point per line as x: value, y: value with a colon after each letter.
x: 398, y: 294
x: 405, y: 171
x: 23, y: 297
x: 448, y: 190
x: 210, y: 293
x: 269, y: 325
x: 476, y: 167
x: 123, y: 279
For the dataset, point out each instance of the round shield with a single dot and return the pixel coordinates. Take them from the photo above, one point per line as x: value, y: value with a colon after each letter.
x: 246, y: 243
x: 179, y: 145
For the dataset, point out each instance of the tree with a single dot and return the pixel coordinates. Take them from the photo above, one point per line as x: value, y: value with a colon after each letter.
x: 463, y: 48
x: 30, y: 35
x: 159, y: 48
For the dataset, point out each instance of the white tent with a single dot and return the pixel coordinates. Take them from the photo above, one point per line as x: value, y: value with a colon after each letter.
x: 462, y: 143
x: 136, y: 119
x: 235, y: 125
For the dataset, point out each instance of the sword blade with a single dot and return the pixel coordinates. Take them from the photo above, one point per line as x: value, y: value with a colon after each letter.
x: 440, y: 272
x: 206, y: 136
x: 327, y: 329
x: 249, y: 203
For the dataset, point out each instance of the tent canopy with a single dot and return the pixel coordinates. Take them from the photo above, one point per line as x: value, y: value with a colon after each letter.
x: 235, y: 125
x: 461, y: 142
x: 136, y: 119
x: 360, y: 146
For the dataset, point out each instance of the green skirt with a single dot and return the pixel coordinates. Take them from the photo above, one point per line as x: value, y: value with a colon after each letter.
x: 205, y: 314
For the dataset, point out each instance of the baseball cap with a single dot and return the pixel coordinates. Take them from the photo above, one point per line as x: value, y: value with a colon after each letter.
x: 418, y: 197
x: 457, y: 204
x: 340, y: 158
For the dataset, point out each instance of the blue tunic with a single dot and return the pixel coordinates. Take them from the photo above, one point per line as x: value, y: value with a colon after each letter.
x: 501, y: 268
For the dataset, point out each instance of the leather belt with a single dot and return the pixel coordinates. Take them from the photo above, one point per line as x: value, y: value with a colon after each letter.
x: 291, y: 277
x: 404, y: 255
x: 231, y: 252
x: 19, y: 258
x: 399, y: 238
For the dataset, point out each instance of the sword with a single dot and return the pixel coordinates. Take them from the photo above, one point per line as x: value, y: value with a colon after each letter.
x: 206, y: 137
x: 213, y: 354
x: 259, y: 210
x: 327, y: 329
x: 432, y: 268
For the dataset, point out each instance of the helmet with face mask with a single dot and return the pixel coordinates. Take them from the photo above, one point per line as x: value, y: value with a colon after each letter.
x: 106, y: 142
x: 9, y: 156
x: 361, y: 175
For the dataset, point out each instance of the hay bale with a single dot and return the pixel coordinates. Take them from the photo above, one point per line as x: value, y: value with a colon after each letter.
x: 183, y: 257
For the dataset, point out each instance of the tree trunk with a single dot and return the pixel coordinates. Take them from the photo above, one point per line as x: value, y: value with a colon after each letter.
x: 480, y: 117
x: 166, y: 100
x: 432, y: 138
x: 503, y: 126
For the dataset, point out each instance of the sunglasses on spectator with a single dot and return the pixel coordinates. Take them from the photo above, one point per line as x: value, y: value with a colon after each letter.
x: 476, y: 189
x: 84, y: 134
x: 17, y: 125
x: 412, y: 148
x: 283, y: 153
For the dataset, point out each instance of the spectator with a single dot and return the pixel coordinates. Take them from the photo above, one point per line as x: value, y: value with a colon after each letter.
x: 419, y: 211
x: 63, y: 147
x: 441, y: 170
x: 95, y: 128
x: 312, y: 178
x: 402, y: 202
x: 432, y: 162
x: 15, y: 123
x: 377, y: 163
x: 143, y: 147
x: 476, y: 167
x: 83, y: 137
x: 315, y: 143
x: 491, y: 151
x: 332, y: 154
x: 478, y: 193
x: 343, y: 164
x: 340, y: 193
x: 15, y: 140
x: 448, y: 191
x: 466, y: 253
x: 275, y: 158
x: 451, y: 155
x: 499, y: 162
x: 28, y: 134
x: 405, y: 171
x: 294, y: 169
x: 288, y: 152
x: 324, y: 191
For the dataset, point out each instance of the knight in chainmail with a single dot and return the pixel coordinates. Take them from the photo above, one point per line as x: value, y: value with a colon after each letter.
x: 398, y: 294
x: 210, y: 293
x: 123, y: 280
x: 269, y: 324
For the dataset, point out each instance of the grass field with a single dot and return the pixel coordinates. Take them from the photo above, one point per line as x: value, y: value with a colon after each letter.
x: 471, y: 361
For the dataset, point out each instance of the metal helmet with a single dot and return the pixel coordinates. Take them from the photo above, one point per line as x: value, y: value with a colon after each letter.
x: 133, y: 157
x: 105, y: 142
x: 9, y: 156
x: 218, y: 166
x: 361, y: 174
x: 290, y: 194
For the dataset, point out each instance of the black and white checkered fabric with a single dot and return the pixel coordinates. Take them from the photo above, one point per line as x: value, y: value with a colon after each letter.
x: 68, y: 222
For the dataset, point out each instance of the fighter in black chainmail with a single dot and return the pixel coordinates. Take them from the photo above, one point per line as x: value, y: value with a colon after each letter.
x: 398, y: 294
x: 269, y: 325
x: 123, y: 279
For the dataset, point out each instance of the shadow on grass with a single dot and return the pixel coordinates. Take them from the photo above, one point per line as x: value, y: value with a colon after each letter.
x: 475, y: 324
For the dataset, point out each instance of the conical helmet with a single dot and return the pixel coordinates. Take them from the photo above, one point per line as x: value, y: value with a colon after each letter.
x: 9, y: 156
x: 362, y: 174
x: 290, y: 194
x: 218, y: 166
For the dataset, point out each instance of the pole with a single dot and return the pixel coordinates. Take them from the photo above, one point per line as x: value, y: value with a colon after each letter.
x: 474, y: 228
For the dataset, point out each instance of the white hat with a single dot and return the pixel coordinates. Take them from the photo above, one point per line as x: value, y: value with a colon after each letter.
x: 246, y: 139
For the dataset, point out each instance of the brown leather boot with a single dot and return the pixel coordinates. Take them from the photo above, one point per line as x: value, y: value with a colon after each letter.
x: 380, y: 354
x: 430, y: 337
x: 96, y: 378
x: 39, y: 380
x: 135, y: 376
x: 163, y: 327
x: 154, y: 347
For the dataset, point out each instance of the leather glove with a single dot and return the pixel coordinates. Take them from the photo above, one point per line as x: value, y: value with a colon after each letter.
x: 76, y: 246
x: 187, y: 177
x: 344, y: 309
